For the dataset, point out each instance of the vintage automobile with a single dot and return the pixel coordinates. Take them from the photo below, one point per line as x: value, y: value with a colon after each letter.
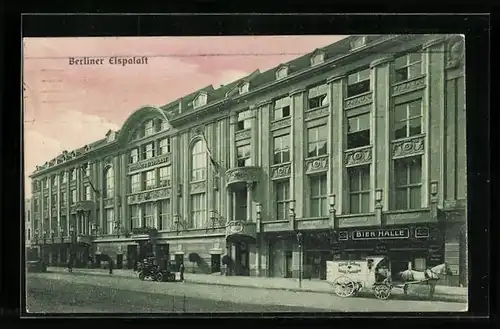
x: 150, y: 269
x: 36, y: 265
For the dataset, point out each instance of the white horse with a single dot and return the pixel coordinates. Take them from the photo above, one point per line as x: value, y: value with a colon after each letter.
x: 430, y: 276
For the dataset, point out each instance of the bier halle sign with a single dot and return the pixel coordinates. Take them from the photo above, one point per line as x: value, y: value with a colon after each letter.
x: 381, y: 234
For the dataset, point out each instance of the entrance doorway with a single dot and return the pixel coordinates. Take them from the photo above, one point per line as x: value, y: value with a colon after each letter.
x: 215, y: 262
x: 179, y: 258
x: 288, y: 264
x: 119, y: 261
x: 241, y: 258
x: 131, y: 256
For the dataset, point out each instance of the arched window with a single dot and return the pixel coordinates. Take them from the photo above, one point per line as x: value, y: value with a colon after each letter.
x: 198, y: 161
x: 109, y: 183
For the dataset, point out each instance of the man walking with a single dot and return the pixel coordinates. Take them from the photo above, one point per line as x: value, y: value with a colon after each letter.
x: 111, y: 266
x: 70, y: 264
x: 181, y: 269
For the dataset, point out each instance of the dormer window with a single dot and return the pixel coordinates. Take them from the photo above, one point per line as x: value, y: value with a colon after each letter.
x: 244, y: 88
x: 163, y: 125
x: 282, y: 72
x: 200, y: 100
x: 111, y: 136
x: 358, y: 42
x: 149, y: 128
x: 317, y: 58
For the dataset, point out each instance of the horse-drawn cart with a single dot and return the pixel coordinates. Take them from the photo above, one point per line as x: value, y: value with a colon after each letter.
x: 349, y: 277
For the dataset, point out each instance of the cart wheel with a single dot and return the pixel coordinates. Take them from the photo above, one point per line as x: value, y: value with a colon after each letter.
x: 159, y: 277
x: 382, y: 291
x: 142, y: 276
x: 343, y: 286
x: 405, y: 289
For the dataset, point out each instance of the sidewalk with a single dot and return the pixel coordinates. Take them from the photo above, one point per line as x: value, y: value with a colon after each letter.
x: 443, y: 293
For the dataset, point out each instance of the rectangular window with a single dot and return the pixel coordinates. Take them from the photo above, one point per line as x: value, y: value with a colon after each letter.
x: 73, y: 174
x: 282, y: 108
x: 281, y: 149
x: 110, y: 221
x: 46, y: 183
x: 198, y: 162
x: 316, y: 141
x: 358, y: 131
x: 64, y: 198
x: 408, y: 119
x: 63, y: 228
x: 165, y: 224
x: 87, y: 169
x: 243, y: 156
x: 148, y: 151
x: 135, y: 216
x: 54, y: 180
x: 45, y: 202
x: 135, y: 183
x: 88, y: 193
x: 36, y: 205
x: 29, y: 234
x: 53, y: 200
x: 198, y: 211
x: 243, y: 121
x: 408, y: 183
x: 318, y: 96
x: 408, y: 66
x: 149, y: 128
x: 73, y: 196
x: 282, y: 190
x: 64, y: 177
x: 164, y: 146
x: 319, y: 199
x: 149, y: 214
x: 149, y: 179
x: 359, y: 189
x: 134, y: 156
x: 165, y: 175
x: 358, y: 83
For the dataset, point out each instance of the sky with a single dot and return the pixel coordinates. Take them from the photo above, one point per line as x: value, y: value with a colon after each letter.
x: 68, y: 106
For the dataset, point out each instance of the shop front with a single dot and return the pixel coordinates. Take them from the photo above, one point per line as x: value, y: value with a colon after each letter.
x: 415, y: 247
x: 317, y: 251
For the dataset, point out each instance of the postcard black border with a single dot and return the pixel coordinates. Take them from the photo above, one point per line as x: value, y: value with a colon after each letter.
x: 475, y: 27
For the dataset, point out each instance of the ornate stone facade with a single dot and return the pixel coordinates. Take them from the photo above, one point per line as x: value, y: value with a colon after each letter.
x: 197, y: 187
x: 358, y: 101
x: 316, y: 164
x: 408, y: 147
x: 408, y: 86
x: 281, y: 171
x: 164, y: 158
x: 243, y: 134
x: 317, y: 113
x: 283, y: 123
x: 243, y: 174
x: 359, y: 156
x: 149, y: 196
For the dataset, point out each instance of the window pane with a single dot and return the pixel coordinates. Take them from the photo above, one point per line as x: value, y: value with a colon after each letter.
x: 401, y: 75
x: 354, y: 203
x: 401, y: 199
x: 415, y: 57
x: 364, y: 121
x: 400, y: 174
x: 358, y: 139
x: 365, y: 203
x: 400, y: 112
x: 364, y: 75
x: 400, y: 62
x: 352, y: 79
x: 311, y: 150
x: 322, y: 182
x: 286, y: 156
x: 415, y: 126
x: 415, y: 198
x: 314, y: 187
x: 415, y: 109
x: 416, y: 172
x: 315, y: 208
x: 365, y: 178
x: 322, y: 148
x: 312, y: 134
x: 353, y: 180
x: 324, y: 207
x: 415, y: 70
x: 400, y: 130
x: 352, y: 124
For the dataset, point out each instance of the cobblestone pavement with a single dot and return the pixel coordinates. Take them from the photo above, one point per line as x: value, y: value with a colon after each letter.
x: 242, y: 295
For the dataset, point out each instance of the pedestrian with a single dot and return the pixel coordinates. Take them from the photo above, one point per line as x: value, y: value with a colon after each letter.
x: 111, y: 266
x: 70, y: 265
x: 181, y: 269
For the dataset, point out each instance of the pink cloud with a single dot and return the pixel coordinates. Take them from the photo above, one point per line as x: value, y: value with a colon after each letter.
x: 66, y: 106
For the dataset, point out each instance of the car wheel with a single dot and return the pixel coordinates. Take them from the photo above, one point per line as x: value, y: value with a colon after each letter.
x: 159, y: 277
x: 142, y: 276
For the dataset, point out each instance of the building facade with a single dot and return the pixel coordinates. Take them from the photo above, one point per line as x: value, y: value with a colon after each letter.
x: 355, y: 149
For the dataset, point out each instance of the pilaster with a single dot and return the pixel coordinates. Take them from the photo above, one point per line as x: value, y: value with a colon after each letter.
x: 233, y: 120
x: 175, y: 164
x: 101, y: 197
x: 51, y: 202
x: 186, y: 179
x: 210, y: 199
x: 297, y: 146
x: 58, y: 206
x: 265, y: 186
x: 68, y: 202
x: 116, y: 171
x: 380, y: 139
x: 123, y: 192
x: 254, y: 152
x: 434, y: 114
x: 337, y: 170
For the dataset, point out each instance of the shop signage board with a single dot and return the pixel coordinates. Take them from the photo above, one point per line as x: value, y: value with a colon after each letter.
x: 421, y: 232
x: 381, y: 234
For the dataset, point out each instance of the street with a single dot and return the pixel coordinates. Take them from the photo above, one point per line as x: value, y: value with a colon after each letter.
x: 77, y: 292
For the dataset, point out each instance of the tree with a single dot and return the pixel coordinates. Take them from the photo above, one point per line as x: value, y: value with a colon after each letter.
x: 194, y: 258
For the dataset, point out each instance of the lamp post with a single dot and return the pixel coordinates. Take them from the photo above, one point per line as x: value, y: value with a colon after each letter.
x: 299, y: 242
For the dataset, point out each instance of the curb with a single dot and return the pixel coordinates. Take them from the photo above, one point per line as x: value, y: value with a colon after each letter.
x: 415, y: 297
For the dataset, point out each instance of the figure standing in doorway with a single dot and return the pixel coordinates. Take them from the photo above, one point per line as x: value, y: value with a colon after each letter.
x: 111, y: 266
